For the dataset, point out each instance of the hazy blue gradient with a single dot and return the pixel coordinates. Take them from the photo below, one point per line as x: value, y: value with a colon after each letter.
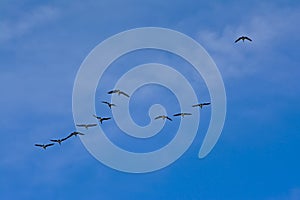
x: 42, y: 45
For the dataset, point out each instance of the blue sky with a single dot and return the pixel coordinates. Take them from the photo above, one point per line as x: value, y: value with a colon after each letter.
x: 42, y: 45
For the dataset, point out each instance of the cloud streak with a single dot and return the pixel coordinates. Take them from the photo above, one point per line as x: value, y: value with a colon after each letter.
x: 268, y: 31
x: 25, y: 23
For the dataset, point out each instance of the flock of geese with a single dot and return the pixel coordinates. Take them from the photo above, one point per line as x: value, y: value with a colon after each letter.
x: 110, y: 105
x: 86, y: 126
x: 58, y: 141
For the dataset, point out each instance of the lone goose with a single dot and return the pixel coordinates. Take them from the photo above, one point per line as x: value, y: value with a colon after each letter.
x: 109, y: 104
x: 118, y: 92
x: 201, y: 105
x: 163, y: 117
x: 243, y: 38
x: 182, y: 114
x: 44, y: 146
x: 101, y: 119
x: 87, y: 126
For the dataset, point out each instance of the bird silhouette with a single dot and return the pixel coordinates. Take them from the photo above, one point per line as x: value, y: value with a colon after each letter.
x: 109, y: 104
x: 75, y: 133
x: 87, y: 126
x: 201, y: 105
x: 163, y: 117
x: 242, y: 38
x: 101, y: 119
x: 182, y: 114
x: 117, y: 92
x: 44, y: 146
x: 59, y: 141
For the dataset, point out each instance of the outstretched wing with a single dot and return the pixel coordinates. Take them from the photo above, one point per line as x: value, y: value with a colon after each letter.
x: 48, y: 145
x: 70, y: 135
x: 169, y: 118
x: 205, y: 104
x: 178, y: 114
x: 91, y: 125
x: 38, y: 145
x: 106, y: 118
x: 105, y: 102
x: 80, y: 125
x: 196, y: 105
x: 79, y: 133
x: 54, y: 140
x: 158, y: 117
x: 63, y: 139
x: 121, y: 92
x: 248, y: 39
x: 112, y: 91
x: 109, y: 104
x: 238, y: 39
x: 187, y: 113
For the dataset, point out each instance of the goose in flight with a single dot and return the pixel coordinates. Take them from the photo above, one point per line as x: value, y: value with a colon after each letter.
x: 118, y: 92
x: 87, y: 126
x: 59, y: 141
x: 182, y: 114
x: 44, y: 146
x: 109, y: 104
x: 163, y: 117
x: 75, y: 133
x: 201, y: 105
x: 242, y: 38
x: 101, y: 119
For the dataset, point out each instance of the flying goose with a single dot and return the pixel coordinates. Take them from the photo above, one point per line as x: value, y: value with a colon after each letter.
x: 101, y: 119
x: 201, y: 105
x: 59, y: 141
x: 182, y: 114
x: 109, y: 104
x: 75, y: 133
x: 87, y: 126
x: 118, y: 92
x: 44, y: 146
x: 163, y: 117
x: 243, y: 38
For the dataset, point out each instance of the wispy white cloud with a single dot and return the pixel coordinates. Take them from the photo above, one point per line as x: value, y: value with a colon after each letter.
x: 267, y: 29
x: 26, y: 22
